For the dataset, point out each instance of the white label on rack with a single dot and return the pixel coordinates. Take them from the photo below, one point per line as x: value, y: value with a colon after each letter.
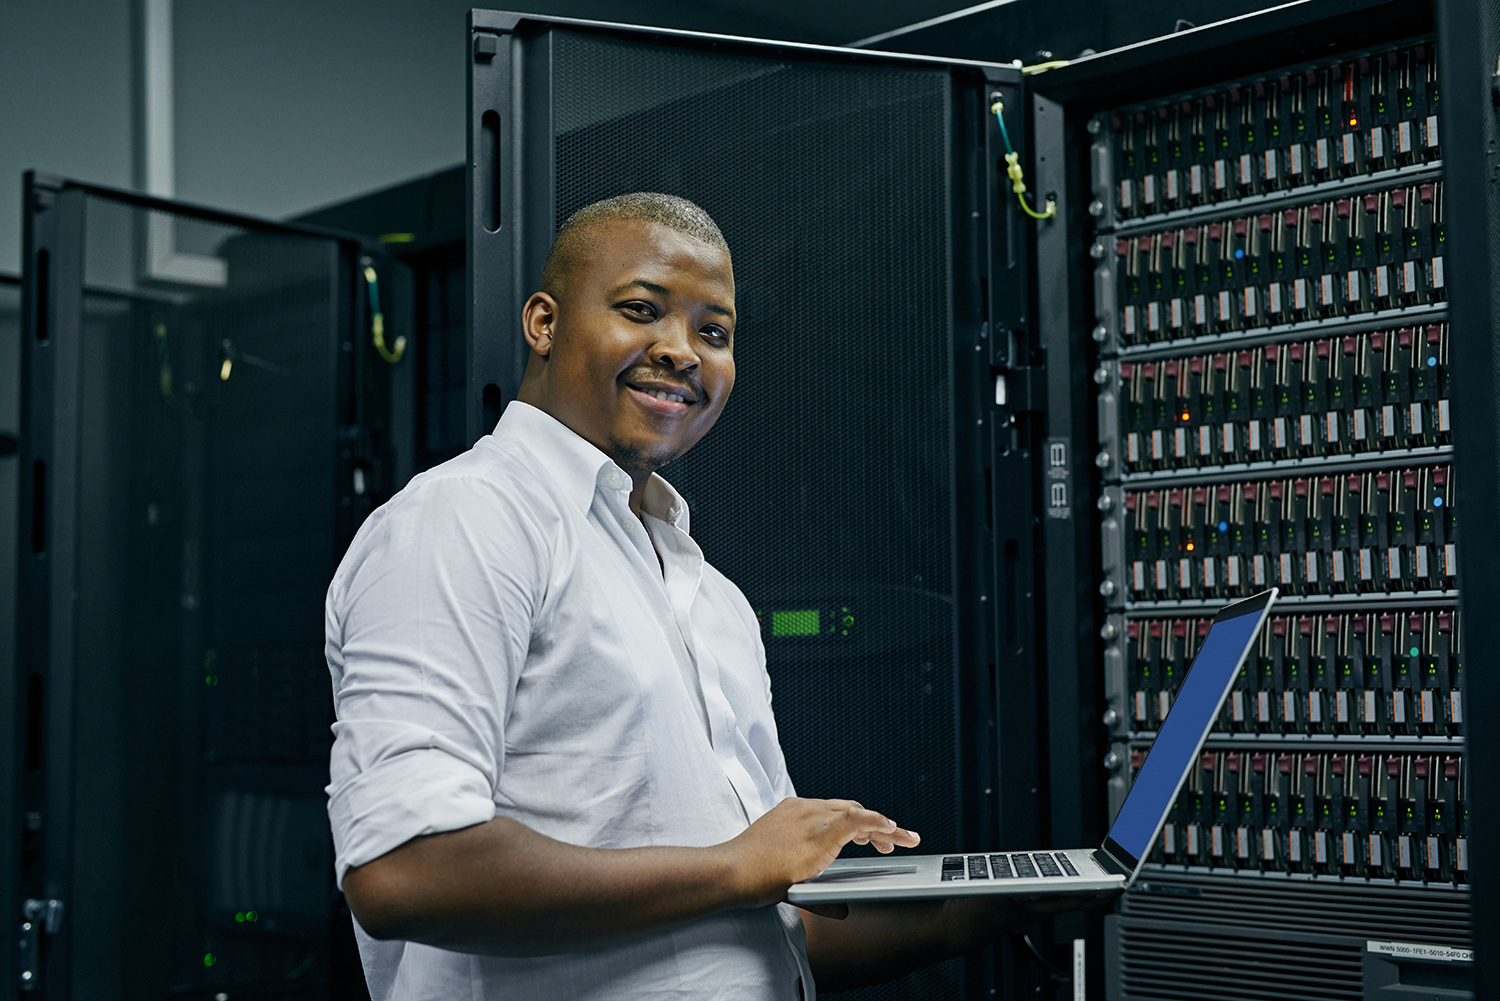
x: 1348, y: 150
x: 1248, y: 303
x: 1200, y: 309
x: 1403, y: 137
x: 1127, y: 320
x: 1268, y: 160
x: 1226, y: 307
x: 1205, y: 441
x: 1314, y: 707
x: 1430, y: 133
x: 1422, y: 568
x: 1403, y: 851
x: 1370, y: 707
x: 1227, y: 436
x: 1398, y: 706
x: 1361, y: 419
x: 1177, y: 314
x: 1179, y: 442
x: 1163, y: 704
x: 1294, y: 846
x: 1262, y: 707
x: 1299, y: 293
x: 1383, y: 280
x: 1258, y: 570
x: 1434, y: 852
x: 1388, y: 421
x: 1221, y: 175
x: 1337, y: 561
x: 1133, y: 447
x: 1185, y: 574
x: 1305, y: 430
x: 1127, y: 195
x: 1377, y: 143
x: 1294, y: 159
x: 1310, y: 567
x: 1192, y: 839
x: 1394, y: 564
x: 1267, y: 844
x: 1161, y: 575
x: 1169, y: 838
x: 1247, y: 172
x: 1444, y: 417
x: 1237, y: 706
x: 1346, y: 845
x: 1427, y: 707
x: 1455, y: 706
x: 1273, y: 298
x: 1153, y: 316
x: 1173, y: 192
x: 1217, y: 834
x: 1289, y: 707
x: 1341, y: 706
x: 1331, y: 427
x: 1352, y: 289
x: 1326, y: 292
x: 1284, y: 568
x: 1278, y: 433
x: 1140, y: 708
x: 1320, y: 838
x: 1210, y: 572
x: 1419, y: 950
x: 1450, y: 560
x: 1242, y: 843
x: 1158, y: 449
x: 1138, y: 576
x: 1322, y: 154
x: 1148, y: 190
x: 1195, y: 180
x: 1367, y: 564
x: 1436, y: 270
x: 1461, y: 854
x: 1253, y: 437
x: 1375, y: 850
x: 1409, y: 277
x: 1232, y: 570
x: 1414, y: 418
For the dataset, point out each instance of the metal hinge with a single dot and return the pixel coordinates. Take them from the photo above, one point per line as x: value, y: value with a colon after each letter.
x: 37, y: 916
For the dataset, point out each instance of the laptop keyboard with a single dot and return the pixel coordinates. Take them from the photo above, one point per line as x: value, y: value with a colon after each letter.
x: 1029, y: 865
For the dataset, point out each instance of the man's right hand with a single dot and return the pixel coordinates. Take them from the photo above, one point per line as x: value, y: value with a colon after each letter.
x: 799, y: 838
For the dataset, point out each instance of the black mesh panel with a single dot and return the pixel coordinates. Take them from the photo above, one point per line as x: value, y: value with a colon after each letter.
x: 202, y: 859
x: 825, y: 492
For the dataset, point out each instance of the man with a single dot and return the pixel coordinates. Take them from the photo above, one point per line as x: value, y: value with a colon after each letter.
x: 556, y: 773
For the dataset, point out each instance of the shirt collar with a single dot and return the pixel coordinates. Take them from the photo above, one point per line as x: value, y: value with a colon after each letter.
x: 581, y: 469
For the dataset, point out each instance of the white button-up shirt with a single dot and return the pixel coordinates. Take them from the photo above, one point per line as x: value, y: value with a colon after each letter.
x: 504, y: 642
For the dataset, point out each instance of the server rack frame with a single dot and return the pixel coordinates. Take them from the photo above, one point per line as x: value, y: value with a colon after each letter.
x: 511, y: 208
x: 1063, y: 102
x: 41, y: 742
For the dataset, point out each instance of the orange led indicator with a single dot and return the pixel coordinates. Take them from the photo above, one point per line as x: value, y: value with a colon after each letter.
x: 1189, y: 547
x: 1184, y: 415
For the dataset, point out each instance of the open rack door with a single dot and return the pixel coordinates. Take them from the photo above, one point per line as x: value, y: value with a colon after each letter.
x: 864, y: 488
x: 190, y: 470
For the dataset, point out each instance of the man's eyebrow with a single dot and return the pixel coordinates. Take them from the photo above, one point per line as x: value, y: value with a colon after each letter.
x: 662, y: 290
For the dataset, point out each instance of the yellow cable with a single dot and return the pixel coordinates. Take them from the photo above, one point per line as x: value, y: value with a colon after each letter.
x: 377, y: 323
x: 1036, y: 68
x: 1013, y: 170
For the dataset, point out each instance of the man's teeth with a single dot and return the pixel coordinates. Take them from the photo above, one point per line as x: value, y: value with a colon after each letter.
x: 669, y: 397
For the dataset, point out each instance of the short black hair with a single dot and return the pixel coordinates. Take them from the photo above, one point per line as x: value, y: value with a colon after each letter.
x: 574, y: 239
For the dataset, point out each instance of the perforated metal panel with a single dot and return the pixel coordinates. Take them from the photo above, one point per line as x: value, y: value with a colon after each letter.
x: 826, y: 490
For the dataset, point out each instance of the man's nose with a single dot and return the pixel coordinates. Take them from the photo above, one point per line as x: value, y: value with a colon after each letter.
x: 674, y: 347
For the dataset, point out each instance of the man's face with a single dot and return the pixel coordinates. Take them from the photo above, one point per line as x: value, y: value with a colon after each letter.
x: 640, y: 351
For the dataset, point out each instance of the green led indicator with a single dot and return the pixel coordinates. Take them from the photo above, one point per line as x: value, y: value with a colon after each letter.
x: 209, y: 959
x: 806, y: 623
x: 1414, y: 651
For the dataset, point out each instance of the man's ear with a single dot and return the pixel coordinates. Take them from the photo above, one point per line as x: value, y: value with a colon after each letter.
x: 538, y: 321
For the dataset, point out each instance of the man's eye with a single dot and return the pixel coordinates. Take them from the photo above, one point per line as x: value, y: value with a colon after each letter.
x: 715, y: 333
x: 640, y: 309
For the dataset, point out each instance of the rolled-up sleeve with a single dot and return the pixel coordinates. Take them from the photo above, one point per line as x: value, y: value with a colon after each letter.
x: 428, y: 623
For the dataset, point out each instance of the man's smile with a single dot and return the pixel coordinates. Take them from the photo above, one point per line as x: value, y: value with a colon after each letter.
x: 662, y: 396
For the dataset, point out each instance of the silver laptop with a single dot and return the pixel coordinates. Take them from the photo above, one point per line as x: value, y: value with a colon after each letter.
x: 1114, y: 864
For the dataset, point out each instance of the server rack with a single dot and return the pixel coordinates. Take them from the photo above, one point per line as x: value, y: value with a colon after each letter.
x: 1267, y: 327
x: 200, y: 437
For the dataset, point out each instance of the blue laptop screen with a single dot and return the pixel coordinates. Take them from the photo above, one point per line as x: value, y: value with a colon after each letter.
x: 1197, y: 702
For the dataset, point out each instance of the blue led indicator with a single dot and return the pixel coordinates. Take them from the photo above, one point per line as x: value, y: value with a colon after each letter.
x: 1437, y: 502
x: 1431, y: 362
x: 1223, y: 526
x: 1238, y: 253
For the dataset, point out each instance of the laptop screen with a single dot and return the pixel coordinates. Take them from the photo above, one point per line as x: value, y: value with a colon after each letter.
x: 1182, y: 732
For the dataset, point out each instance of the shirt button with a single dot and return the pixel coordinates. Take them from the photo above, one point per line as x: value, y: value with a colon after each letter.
x: 628, y: 524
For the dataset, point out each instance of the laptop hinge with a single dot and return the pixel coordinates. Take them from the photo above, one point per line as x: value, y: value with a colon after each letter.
x: 1110, y: 864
